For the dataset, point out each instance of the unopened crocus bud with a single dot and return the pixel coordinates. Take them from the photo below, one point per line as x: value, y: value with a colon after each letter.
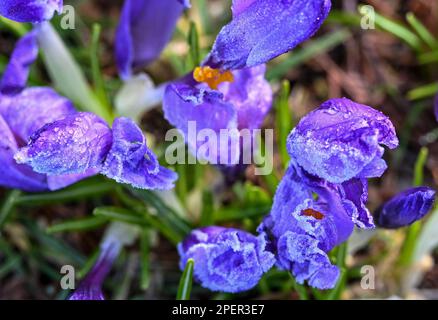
x: 117, y: 236
x: 405, y: 208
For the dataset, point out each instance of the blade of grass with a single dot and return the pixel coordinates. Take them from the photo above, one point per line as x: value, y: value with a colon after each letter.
x: 95, y: 67
x: 421, y: 30
x: 207, y: 209
x: 52, y: 246
x: 204, y: 15
x: 419, y: 166
x: 19, y: 29
x: 8, y: 206
x: 345, y: 18
x: 283, y: 120
x: 88, y: 223
x: 426, y: 91
x: 398, y: 30
x: 428, y: 57
x: 173, y: 236
x: 79, y: 191
x: 119, y: 214
x: 66, y: 73
x: 185, y: 284
x: 194, y: 58
x: 144, y: 259
x: 165, y: 213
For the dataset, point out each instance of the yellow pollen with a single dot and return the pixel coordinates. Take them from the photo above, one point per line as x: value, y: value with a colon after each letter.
x: 212, y: 77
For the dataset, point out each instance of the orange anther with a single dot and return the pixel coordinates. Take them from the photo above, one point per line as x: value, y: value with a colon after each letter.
x: 313, y: 213
x: 212, y: 77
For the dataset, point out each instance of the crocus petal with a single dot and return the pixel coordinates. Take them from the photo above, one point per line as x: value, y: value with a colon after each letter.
x: 198, y: 108
x: 226, y: 260
x: 72, y: 145
x: 137, y: 41
x: 33, y: 108
x: 234, y: 106
x: 303, y: 230
x: 264, y: 29
x: 17, y: 71
x: 405, y: 208
x: 250, y: 94
x: 341, y: 140
x: 30, y: 10
x: 130, y: 161
x: 356, y: 191
x: 13, y: 175
x: 238, y: 6
x: 309, y: 262
x: 64, y: 180
x: 185, y: 3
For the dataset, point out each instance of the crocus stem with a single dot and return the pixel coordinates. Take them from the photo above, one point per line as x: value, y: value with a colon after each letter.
x: 301, y: 290
x: 413, y: 231
x: 116, y: 237
x: 66, y: 74
x: 409, y: 244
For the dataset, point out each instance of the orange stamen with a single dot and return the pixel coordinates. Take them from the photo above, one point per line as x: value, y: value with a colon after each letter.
x: 313, y: 213
x: 212, y: 77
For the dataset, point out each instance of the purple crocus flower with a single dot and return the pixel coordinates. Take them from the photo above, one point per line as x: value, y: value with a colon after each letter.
x: 302, y: 229
x: 264, y: 29
x: 23, y: 111
x: 333, y: 150
x: 82, y: 141
x: 342, y: 140
x: 229, y: 90
x: 15, y: 75
x: 91, y: 286
x: 116, y: 237
x: 405, y: 208
x: 242, y: 104
x: 145, y: 28
x: 30, y: 10
x: 226, y: 260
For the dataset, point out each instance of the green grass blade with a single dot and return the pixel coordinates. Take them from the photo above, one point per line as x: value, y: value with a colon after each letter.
x: 283, y: 119
x: 79, y: 191
x: 423, y: 92
x: 419, y: 166
x: 185, y: 284
x: 84, y: 224
x: 421, y: 30
x: 8, y: 206
x: 194, y: 53
x: 119, y: 214
x: 145, y: 259
x: 399, y: 31
x: 95, y: 67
